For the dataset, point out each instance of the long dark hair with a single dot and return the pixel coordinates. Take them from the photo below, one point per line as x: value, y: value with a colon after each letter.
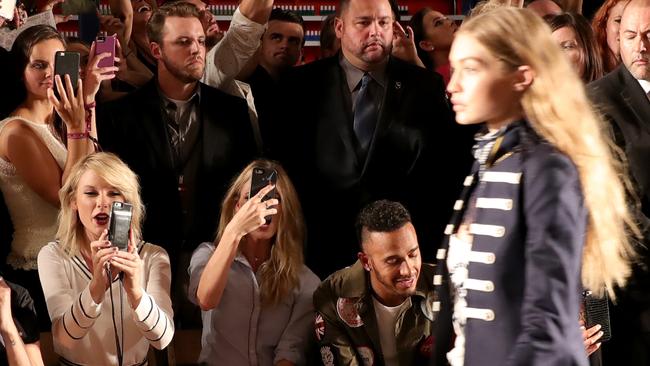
x: 20, y: 52
x: 417, y: 23
x: 587, y: 41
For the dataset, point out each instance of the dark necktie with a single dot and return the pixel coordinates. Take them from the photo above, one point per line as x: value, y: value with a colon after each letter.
x: 365, y: 112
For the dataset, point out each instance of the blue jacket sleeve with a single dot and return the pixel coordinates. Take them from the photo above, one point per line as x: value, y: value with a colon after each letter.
x: 556, y: 221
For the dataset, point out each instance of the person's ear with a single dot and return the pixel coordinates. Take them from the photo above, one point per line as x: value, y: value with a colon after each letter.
x: 156, y: 50
x: 338, y: 27
x: 524, y: 77
x: 73, y: 205
x: 363, y: 258
x: 426, y: 46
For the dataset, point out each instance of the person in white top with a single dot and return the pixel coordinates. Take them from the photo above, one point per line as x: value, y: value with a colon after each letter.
x: 252, y: 284
x: 92, y: 324
x: 37, y: 151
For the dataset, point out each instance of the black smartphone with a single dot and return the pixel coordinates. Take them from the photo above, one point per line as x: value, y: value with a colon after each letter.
x: 66, y: 62
x: 261, y: 178
x: 596, y: 310
x: 119, y: 226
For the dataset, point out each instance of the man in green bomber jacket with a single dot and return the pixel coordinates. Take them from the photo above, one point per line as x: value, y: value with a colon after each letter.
x: 380, y: 310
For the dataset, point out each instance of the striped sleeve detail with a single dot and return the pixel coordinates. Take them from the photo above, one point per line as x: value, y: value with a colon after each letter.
x: 152, y: 321
x: 81, y: 316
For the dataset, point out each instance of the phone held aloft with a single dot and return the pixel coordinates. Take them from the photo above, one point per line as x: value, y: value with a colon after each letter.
x: 66, y: 63
x: 105, y: 44
x: 261, y: 178
x: 119, y: 226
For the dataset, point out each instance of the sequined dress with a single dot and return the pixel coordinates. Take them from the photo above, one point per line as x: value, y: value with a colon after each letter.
x: 34, y: 219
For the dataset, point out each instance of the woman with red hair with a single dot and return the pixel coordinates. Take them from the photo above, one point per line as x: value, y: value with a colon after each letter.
x: 606, y: 22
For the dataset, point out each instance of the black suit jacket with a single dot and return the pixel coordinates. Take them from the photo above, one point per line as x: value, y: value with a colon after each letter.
x: 417, y: 156
x: 621, y: 99
x: 133, y: 128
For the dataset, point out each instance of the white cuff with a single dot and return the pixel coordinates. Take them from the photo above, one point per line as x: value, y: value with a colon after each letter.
x: 87, y: 305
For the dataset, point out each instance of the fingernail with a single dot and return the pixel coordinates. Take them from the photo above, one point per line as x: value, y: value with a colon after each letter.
x: 598, y: 326
x: 601, y: 333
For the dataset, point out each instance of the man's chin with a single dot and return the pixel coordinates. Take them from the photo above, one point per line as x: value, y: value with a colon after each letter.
x: 375, y: 57
x: 640, y: 73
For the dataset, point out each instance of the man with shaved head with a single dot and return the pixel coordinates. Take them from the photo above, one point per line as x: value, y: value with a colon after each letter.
x: 623, y: 97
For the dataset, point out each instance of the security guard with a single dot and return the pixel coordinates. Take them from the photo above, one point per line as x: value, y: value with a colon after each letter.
x: 380, y: 310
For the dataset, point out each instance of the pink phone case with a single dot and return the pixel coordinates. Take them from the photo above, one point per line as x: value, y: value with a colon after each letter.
x: 105, y: 44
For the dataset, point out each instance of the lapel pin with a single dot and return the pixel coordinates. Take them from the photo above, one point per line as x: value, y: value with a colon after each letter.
x: 398, y: 85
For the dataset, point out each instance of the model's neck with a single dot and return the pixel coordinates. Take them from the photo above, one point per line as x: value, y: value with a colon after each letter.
x: 35, y: 109
x: 439, y: 57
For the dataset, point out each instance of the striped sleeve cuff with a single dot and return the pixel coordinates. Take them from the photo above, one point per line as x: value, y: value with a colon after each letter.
x: 81, y: 316
x: 87, y: 304
x: 151, y: 320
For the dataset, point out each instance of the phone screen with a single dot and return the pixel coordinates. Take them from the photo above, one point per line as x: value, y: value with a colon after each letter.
x: 120, y: 225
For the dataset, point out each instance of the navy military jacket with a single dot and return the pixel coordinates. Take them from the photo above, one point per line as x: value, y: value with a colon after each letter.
x: 528, y: 224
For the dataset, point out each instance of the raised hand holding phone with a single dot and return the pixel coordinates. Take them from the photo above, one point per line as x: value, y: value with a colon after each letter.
x: 68, y: 104
x: 261, y: 178
x: 129, y: 262
x: 101, y: 253
x: 251, y: 215
x: 95, y: 74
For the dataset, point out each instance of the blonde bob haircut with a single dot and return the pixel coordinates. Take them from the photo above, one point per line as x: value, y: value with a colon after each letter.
x: 117, y: 174
x: 279, y: 274
x: 557, y: 108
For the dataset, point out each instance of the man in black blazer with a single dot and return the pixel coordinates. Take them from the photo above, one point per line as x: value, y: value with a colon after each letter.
x: 411, y: 152
x: 622, y: 95
x: 184, y: 139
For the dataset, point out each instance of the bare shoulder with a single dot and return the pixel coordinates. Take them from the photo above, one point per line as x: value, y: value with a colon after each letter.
x: 16, y: 131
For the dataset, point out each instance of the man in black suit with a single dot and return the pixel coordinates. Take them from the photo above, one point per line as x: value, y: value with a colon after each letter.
x: 184, y: 139
x: 366, y: 126
x: 623, y: 97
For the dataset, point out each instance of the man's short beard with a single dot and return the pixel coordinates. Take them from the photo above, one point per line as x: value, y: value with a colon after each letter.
x: 180, y: 74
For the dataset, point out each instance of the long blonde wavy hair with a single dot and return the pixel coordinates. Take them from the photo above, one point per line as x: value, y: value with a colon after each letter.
x: 117, y: 174
x: 279, y: 275
x: 557, y: 107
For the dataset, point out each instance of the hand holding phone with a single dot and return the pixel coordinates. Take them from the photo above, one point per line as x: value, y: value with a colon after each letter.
x: 596, y: 311
x: 261, y: 178
x: 106, y: 44
x: 119, y: 227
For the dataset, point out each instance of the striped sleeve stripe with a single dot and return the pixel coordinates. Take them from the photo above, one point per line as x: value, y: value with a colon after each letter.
x: 163, y: 333
x: 84, y: 310
x: 76, y: 321
x: 66, y: 329
x: 150, y: 309
x: 157, y: 321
